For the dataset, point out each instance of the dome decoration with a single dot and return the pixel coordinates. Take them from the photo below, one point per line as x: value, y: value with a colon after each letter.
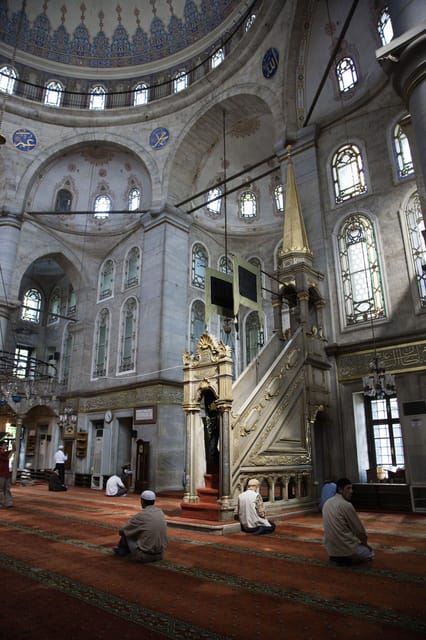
x: 106, y: 34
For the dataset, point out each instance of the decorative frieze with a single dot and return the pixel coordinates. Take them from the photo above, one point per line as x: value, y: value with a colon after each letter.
x: 396, y: 359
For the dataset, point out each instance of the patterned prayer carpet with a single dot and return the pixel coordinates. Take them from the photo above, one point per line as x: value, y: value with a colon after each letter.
x: 60, y: 579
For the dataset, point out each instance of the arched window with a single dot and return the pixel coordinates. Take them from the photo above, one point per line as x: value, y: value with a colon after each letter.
x: 66, y: 356
x: 217, y: 58
x: 346, y: 73
x: 254, y: 336
x: 416, y: 228
x: 102, y: 207
x: 360, y: 271
x: 140, y: 95
x: 384, y: 26
x: 53, y: 94
x: 128, y: 335
x: 199, y: 264
x: 226, y: 266
x: 198, y: 315
x: 403, y: 153
x: 72, y: 301
x: 106, y: 283
x: 249, y: 22
x: 214, y: 200
x: 134, y: 199
x: 279, y: 198
x: 63, y: 201
x: 180, y: 81
x: 97, y: 98
x: 8, y: 79
x: 248, y: 205
x: 54, y: 307
x: 31, y: 306
x: 132, y: 267
x: 348, y: 173
x: 101, y: 344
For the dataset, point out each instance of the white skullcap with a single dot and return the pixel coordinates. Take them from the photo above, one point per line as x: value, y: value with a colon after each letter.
x: 148, y: 495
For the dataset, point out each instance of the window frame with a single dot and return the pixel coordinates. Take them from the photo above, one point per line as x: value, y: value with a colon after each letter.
x: 97, y: 93
x: 383, y: 23
x: 49, y: 91
x: 359, y: 185
x: 389, y: 423
x: 369, y: 277
x: 342, y: 74
x: 8, y: 86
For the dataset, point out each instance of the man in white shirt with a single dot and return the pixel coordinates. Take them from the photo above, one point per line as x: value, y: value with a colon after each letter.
x: 60, y: 459
x: 115, y: 487
x: 344, y: 535
x: 250, y: 511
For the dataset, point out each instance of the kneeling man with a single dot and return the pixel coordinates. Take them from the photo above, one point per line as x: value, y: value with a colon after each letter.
x: 144, y: 537
x: 344, y: 535
x: 250, y: 511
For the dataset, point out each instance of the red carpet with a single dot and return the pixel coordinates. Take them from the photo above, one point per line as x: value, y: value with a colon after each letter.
x: 60, y: 579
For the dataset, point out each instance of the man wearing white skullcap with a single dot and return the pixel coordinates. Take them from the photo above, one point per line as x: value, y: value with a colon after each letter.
x: 144, y: 537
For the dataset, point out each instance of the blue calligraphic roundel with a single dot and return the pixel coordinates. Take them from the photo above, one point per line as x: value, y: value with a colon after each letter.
x: 270, y: 62
x: 159, y: 138
x: 24, y: 140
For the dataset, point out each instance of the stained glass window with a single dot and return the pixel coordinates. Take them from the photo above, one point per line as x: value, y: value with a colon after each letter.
x: 97, y: 98
x: 384, y: 26
x: 106, y: 280
x: 348, y: 173
x: 254, y: 336
x: 346, y: 73
x: 279, y: 198
x: 102, y: 207
x: 199, y: 264
x: 214, y: 200
x: 180, y: 81
x: 217, y: 58
x: 248, y: 205
x: 416, y: 227
x: 7, y: 79
x: 403, y: 153
x: 140, y: 95
x: 31, y: 306
x: 360, y: 271
x: 101, y: 346
x: 134, y: 199
x: 198, y: 314
x: 128, y: 335
x: 53, y: 94
x: 132, y: 267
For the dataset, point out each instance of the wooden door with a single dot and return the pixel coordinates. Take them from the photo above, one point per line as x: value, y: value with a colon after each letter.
x: 142, y: 466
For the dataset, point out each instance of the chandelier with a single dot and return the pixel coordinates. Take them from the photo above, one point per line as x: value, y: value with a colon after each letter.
x: 32, y: 381
x: 378, y: 384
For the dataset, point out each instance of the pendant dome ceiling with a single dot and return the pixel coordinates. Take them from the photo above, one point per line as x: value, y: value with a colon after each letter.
x: 110, y: 34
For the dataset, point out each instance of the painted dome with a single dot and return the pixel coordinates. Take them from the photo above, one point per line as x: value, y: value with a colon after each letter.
x: 105, y: 34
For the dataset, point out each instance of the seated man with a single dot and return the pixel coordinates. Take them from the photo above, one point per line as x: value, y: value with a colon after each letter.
x: 144, y: 537
x: 250, y: 511
x: 55, y: 483
x: 115, y: 487
x: 345, y: 537
x: 328, y: 491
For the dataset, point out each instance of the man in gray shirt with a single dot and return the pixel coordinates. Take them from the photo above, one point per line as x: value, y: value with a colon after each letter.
x: 344, y: 535
x: 144, y: 537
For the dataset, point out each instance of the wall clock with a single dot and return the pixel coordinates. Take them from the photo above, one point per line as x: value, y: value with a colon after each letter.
x: 108, y: 416
x: 69, y: 431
